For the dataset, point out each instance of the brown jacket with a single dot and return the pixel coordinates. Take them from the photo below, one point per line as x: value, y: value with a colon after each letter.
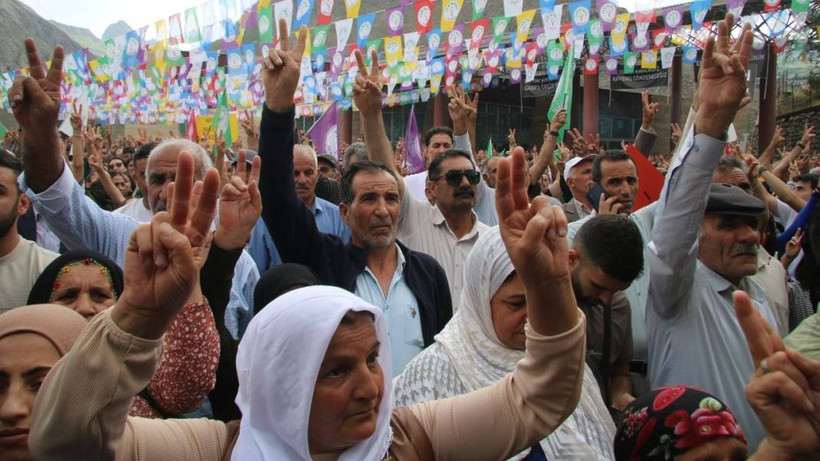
x: 81, y: 411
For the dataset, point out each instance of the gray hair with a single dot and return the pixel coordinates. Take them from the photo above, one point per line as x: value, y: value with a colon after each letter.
x: 355, y: 152
x: 308, y: 150
x: 202, y: 161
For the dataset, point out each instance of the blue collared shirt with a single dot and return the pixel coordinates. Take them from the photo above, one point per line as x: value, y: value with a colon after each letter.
x: 263, y: 250
x: 401, y: 310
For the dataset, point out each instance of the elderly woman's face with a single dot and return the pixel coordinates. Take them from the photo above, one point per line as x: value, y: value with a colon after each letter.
x: 85, y: 289
x: 25, y: 359
x: 508, y: 307
x: 349, y: 388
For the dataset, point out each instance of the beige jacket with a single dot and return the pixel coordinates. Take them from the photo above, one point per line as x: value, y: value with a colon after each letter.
x: 81, y: 410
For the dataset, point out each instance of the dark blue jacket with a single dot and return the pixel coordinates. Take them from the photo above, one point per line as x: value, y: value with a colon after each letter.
x: 337, y: 263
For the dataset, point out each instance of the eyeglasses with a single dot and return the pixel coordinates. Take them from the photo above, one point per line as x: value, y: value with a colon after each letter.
x: 453, y: 177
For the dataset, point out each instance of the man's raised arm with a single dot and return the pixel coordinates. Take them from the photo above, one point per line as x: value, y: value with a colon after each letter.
x: 35, y: 102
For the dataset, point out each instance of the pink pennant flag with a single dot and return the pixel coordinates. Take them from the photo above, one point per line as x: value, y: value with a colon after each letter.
x: 412, y: 145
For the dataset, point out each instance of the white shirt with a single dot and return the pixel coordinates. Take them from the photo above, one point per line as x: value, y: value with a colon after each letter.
x: 423, y: 228
x: 19, y: 270
x: 137, y: 210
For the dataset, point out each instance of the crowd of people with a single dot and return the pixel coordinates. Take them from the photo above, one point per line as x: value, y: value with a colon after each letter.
x: 164, y: 298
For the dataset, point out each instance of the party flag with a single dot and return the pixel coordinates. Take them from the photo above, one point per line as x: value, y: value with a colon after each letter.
x: 771, y: 5
x: 673, y: 18
x: 478, y: 8
x: 4, y: 131
x: 161, y: 27
x: 479, y: 29
x: 595, y: 38
x: 449, y: 13
x: 175, y: 30
x: 698, y: 10
x: 222, y: 119
x: 490, y: 148
x: 643, y: 19
x: 607, y: 10
x: 352, y: 8
x: 325, y: 10
x: 364, y: 25
x: 192, y: 33
x: 304, y: 8
x: 499, y: 28
x: 513, y: 8
x: 563, y: 93
x: 591, y: 66
x: 395, y: 20
x: 393, y: 50
x: 629, y: 63
x: 579, y: 13
x: 667, y: 55
x: 611, y: 65
x: 190, y: 131
x: 552, y: 21
x: 649, y: 59
x: 424, y: 16
x: 412, y: 145
x: 736, y: 7
x: 283, y: 10
x: 265, y: 24
x: 343, y: 29
x: 690, y: 54
x: 324, y: 132
x: 524, y: 23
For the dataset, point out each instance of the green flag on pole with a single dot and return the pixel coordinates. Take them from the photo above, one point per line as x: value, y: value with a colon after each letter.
x: 563, y: 92
x: 222, y: 119
x: 3, y: 130
x: 490, y: 149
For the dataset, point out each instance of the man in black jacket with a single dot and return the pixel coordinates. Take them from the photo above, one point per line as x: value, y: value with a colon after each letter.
x: 410, y: 287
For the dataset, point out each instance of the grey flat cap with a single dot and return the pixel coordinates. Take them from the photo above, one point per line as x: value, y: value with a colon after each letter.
x: 727, y: 199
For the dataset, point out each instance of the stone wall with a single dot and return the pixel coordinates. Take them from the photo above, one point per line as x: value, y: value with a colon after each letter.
x: 794, y: 123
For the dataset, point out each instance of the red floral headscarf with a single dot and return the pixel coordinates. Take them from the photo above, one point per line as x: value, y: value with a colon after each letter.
x: 669, y: 421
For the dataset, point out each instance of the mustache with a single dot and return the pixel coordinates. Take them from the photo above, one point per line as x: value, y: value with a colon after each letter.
x: 381, y: 222
x: 744, y: 249
x: 464, y: 192
x: 302, y: 187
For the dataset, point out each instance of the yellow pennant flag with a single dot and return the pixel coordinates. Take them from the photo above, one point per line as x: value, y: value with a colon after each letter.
x: 524, y: 22
x: 449, y: 14
x: 352, y: 8
x: 620, y: 26
x: 393, y: 50
x: 162, y: 30
x: 649, y: 59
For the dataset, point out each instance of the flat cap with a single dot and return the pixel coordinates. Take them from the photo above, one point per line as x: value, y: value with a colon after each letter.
x: 329, y: 159
x: 728, y: 199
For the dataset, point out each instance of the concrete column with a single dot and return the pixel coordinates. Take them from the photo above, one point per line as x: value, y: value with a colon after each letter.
x: 590, y: 114
x: 441, y: 116
x: 345, y: 126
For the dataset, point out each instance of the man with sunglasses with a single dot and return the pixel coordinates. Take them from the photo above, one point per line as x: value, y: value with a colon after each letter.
x: 446, y: 230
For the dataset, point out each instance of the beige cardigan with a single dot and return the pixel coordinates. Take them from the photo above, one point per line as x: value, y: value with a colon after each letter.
x: 81, y: 411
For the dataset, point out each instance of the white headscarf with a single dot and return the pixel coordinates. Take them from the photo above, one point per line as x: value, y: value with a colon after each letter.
x: 481, y: 360
x: 469, y: 338
x: 278, y: 364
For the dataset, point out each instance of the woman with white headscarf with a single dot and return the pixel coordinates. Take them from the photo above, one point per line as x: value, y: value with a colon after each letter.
x: 314, y: 367
x: 483, y: 342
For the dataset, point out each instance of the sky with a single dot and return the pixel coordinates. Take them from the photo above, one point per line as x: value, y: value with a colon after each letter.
x: 96, y: 15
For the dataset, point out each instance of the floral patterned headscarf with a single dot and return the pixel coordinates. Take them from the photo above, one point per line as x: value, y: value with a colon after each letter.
x: 669, y: 421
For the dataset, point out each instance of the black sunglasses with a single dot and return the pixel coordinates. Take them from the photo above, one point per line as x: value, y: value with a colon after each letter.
x: 453, y: 177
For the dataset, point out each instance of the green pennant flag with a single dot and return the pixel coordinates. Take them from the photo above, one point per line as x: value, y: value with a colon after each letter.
x: 490, y: 149
x: 222, y: 119
x: 503, y: 153
x: 265, y: 24
x: 563, y: 92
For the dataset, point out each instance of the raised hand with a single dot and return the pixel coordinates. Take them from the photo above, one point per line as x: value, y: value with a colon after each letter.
x: 808, y: 135
x: 35, y: 100
x: 240, y: 205
x: 593, y: 141
x: 794, y: 245
x: 76, y: 120
x: 534, y: 234
x: 579, y: 144
x: 511, y: 139
x: 784, y: 390
x: 558, y: 121
x: 650, y: 109
x: 161, y: 264
x: 280, y: 75
x: 676, y: 132
x: 192, y: 207
x: 535, y: 237
x: 722, y: 79
x: 367, y: 91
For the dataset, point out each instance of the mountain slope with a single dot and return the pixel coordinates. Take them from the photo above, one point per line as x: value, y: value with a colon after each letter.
x: 83, y: 36
x: 115, y: 30
x: 17, y: 21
